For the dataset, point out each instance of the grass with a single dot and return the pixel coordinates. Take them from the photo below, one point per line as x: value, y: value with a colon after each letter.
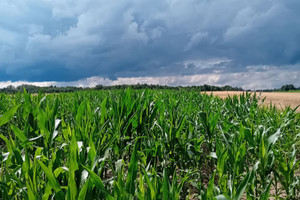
x: 146, y: 144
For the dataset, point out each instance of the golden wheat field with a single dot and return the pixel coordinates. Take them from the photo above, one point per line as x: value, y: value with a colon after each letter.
x: 279, y: 99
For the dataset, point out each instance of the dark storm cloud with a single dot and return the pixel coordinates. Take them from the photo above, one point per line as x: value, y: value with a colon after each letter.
x: 70, y: 40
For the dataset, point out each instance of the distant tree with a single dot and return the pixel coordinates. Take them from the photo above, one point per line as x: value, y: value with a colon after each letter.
x: 288, y: 87
x: 99, y: 87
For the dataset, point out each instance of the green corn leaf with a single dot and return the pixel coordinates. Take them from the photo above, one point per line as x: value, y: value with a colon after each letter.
x: 19, y: 133
x: 7, y: 142
x: 47, y: 192
x: 273, y: 138
x: 132, y: 171
x: 181, y: 126
x: 59, y: 170
x: 80, y: 112
x: 210, y: 187
x: 72, y: 188
x: 103, y: 111
x: 96, y: 180
x: 83, y: 190
x: 165, y: 186
x: 142, y: 190
x: 265, y: 195
x: 8, y: 115
x: 30, y: 193
x: 150, y: 185
x: 51, y: 178
x: 241, y: 188
x: 73, y: 164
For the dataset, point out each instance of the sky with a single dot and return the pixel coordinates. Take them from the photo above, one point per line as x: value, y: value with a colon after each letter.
x: 250, y: 44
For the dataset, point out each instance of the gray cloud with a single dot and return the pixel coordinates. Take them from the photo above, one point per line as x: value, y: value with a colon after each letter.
x: 256, y: 77
x: 70, y: 40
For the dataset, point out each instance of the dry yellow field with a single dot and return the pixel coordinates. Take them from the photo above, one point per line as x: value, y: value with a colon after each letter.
x: 279, y: 99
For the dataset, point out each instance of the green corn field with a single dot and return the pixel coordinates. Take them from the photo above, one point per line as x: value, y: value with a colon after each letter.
x: 146, y: 144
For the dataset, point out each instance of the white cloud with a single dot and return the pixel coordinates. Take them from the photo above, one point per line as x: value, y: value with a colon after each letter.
x: 270, y: 78
x: 18, y: 83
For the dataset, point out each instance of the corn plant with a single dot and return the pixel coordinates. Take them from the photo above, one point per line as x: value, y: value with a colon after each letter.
x: 146, y: 144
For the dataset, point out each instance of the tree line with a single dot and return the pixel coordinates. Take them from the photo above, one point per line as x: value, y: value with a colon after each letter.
x: 54, y: 89
x: 284, y: 88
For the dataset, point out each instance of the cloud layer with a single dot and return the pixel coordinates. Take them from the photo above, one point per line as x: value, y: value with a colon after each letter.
x: 256, y: 77
x: 70, y: 40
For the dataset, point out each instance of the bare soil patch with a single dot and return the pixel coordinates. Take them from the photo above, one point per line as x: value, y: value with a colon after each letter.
x: 279, y: 99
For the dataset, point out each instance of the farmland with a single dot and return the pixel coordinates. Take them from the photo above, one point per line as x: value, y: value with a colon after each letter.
x: 146, y: 144
x: 278, y: 99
